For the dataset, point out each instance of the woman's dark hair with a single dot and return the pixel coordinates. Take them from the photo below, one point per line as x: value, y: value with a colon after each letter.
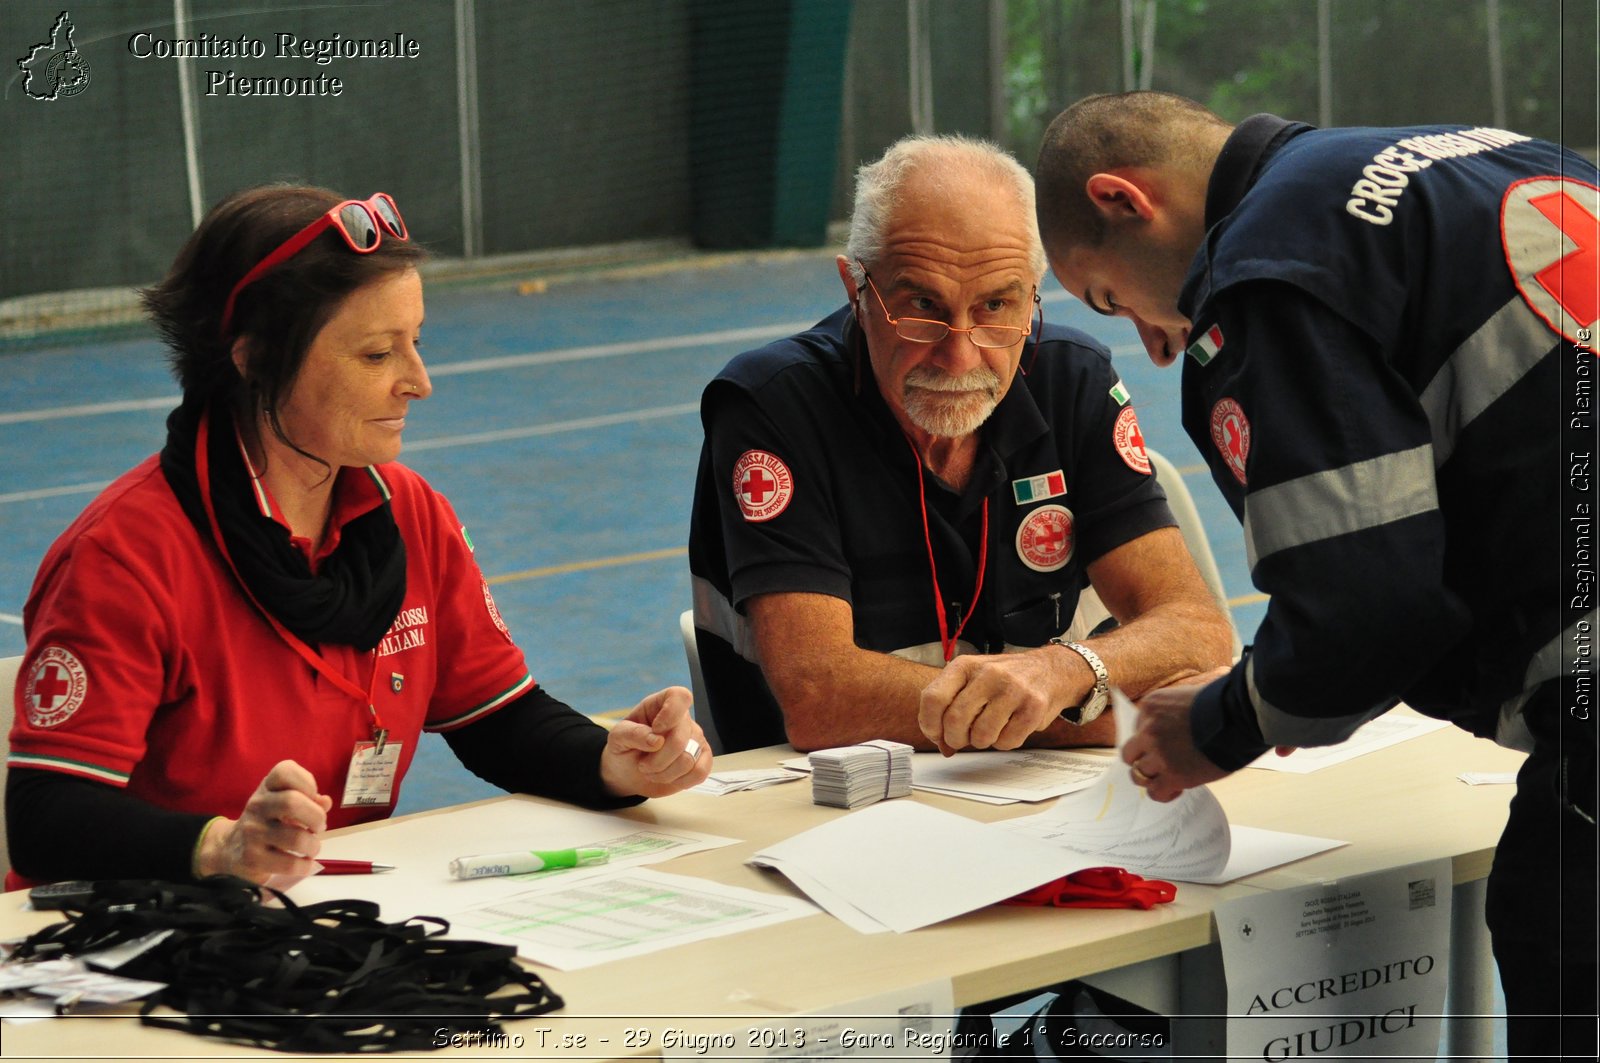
x: 278, y: 315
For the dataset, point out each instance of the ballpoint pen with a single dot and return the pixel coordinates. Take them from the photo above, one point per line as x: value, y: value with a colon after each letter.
x: 352, y: 867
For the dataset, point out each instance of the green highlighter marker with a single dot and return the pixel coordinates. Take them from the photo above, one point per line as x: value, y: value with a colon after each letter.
x: 521, y: 863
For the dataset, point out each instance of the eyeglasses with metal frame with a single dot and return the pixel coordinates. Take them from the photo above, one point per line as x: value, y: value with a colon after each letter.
x: 927, y: 330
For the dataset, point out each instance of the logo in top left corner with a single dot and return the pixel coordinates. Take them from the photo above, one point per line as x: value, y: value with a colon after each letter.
x: 56, y: 686
x: 55, y: 68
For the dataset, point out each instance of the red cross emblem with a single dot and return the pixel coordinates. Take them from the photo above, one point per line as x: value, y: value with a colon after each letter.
x: 757, y: 486
x: 1551, y: 237
x: 56, y: 686
x: 1129, y: 441
x: 1044, y: 539
x: 1230, y: 431
x: 762, y: 485
x: 49, y: 683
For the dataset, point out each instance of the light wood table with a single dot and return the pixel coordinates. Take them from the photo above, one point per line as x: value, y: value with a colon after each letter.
x: 1395, y: 806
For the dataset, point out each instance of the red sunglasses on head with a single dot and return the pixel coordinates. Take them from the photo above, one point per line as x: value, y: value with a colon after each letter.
x: 362, y: 223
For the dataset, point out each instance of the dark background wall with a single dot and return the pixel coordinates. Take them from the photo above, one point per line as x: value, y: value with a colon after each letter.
x: 599, y: 121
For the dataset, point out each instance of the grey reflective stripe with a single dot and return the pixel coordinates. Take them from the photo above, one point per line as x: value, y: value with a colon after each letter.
x: 1512, y: 730
x: 714, y: 613
x: 1546, y: 664
x: 1486, y: 366
x: 1339, y: 501
x: 1279, y: 728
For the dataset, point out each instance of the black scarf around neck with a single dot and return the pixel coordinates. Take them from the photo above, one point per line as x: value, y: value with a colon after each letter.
x: 353, y: 597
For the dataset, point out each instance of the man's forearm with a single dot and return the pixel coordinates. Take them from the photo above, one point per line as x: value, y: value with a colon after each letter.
x: 1168, y: 644
x: 832, y: 692
x: 853, y: 696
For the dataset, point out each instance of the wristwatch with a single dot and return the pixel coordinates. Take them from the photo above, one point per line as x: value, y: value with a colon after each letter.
x: 1099, y: 697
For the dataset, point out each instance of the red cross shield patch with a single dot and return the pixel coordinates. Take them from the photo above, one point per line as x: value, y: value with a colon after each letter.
x: 1044, y: 540
x: 1550, y: 229
x: 762, y: 485
x: 55, y: 688
x: 1129, y: 441
x: 1230, y: 431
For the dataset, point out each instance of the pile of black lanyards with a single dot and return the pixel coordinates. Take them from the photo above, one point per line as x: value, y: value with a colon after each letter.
x: 327, y: 977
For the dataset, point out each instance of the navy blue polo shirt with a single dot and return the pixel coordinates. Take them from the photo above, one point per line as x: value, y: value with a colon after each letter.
x: 807, y: 484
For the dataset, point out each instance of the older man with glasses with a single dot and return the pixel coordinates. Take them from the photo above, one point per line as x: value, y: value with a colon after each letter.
x: 897, y: 509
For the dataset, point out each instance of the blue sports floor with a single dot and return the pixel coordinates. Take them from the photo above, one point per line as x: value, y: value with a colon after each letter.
x: 563, y: 426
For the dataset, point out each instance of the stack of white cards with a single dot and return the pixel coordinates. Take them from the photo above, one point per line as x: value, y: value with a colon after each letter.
x: 852, y: 776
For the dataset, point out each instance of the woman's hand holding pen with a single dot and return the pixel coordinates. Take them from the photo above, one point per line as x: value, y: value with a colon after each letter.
x: 657, y: 749
x: 277, y: 833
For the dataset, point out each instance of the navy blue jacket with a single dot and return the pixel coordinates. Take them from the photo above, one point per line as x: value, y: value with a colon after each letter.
x: 1375, y: 375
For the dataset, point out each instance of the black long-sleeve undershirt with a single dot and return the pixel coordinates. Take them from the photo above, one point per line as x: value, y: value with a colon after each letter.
x: 62, y: 826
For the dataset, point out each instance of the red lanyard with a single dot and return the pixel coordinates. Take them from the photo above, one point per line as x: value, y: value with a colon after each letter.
x: 368, y: 697
x: 947, y: 640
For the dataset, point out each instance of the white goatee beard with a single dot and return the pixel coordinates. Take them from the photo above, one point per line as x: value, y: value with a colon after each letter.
x: 950, y: 406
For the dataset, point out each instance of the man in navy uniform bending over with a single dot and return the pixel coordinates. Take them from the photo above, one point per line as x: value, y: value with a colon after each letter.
x: 898, y: 508
x: 1377, y: 324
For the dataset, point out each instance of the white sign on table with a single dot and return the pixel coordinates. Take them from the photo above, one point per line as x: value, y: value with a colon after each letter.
x: 1351, y: 969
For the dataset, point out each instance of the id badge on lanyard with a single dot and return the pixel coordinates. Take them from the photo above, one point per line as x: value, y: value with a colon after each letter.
x: 374, y: 767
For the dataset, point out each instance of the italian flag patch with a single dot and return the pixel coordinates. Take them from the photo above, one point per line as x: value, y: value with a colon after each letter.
x: 1206, y: 347
x: 1119, y: 394
x: 1038, y: 488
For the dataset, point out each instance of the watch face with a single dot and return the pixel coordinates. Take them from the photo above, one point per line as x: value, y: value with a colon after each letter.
x: 1098, y: 700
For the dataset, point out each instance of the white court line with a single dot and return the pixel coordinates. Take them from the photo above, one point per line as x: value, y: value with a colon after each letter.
x: 56, y: 413
x: 471, y: 365
x: 612, y: 350
x: 7, y: 618
x: 476, y: 365
x: 577, y: 424
x: 54, y: 492
x: 508, y: 361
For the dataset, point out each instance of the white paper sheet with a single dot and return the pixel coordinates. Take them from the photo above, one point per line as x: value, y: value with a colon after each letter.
x: 899, y: 865
x: 1375, y: 734
x: 1188, y: 839
x: 1115, y: 823
x: 1488, y: 778
x: 570, y: 923
x: 1254, y: 849
x: 727, y: 782
x: 421, y: 850
x: 1000, y: 776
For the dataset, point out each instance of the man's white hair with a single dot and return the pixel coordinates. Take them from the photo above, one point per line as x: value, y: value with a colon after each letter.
x: 949, y: 158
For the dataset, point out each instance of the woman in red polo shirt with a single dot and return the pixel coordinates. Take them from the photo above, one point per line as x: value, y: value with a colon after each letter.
x: 237, y: 645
